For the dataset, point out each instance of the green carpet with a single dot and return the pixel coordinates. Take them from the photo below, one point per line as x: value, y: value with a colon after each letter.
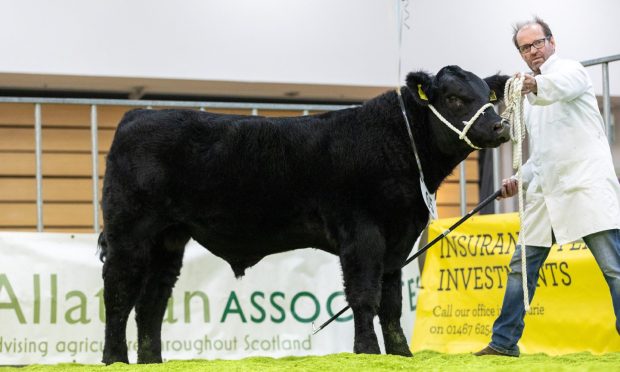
x: 425, y: 360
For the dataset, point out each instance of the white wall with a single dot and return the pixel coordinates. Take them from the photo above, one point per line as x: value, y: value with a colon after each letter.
x: 301, y: 41
x: 342, y: 42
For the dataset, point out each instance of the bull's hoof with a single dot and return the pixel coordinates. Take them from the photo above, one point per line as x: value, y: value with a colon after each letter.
x: 403, y: 351
x: 114, y: 352
x: 149, y: 359
x: 367, y: 348
x: 395, y: 341
x: 398, y: 347
x: 108, y: 359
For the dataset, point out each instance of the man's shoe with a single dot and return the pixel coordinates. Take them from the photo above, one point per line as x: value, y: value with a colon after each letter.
x: 490, y: 351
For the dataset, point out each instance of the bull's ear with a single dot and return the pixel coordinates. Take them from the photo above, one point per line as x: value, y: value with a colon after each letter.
x: 496, y: 83
x: 421, y: 84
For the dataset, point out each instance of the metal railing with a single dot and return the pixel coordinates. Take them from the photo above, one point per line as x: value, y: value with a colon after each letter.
x: 604, y: 62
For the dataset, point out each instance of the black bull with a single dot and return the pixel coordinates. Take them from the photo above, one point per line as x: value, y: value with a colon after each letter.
x: 245, y: 187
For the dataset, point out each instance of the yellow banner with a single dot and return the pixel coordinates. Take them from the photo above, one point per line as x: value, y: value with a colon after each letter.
x: 463, y: 285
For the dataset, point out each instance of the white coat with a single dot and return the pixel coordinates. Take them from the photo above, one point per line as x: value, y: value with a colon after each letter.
x: 569, y: 178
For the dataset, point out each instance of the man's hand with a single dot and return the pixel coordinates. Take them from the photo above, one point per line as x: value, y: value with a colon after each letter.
x: 529, y: 84
x: 509, y: 188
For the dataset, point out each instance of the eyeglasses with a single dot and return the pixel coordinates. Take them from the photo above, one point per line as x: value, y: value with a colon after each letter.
x: 538, y: 44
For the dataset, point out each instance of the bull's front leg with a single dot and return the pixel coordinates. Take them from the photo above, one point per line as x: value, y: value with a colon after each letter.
x: 361, y: 257
x: 389, y: 315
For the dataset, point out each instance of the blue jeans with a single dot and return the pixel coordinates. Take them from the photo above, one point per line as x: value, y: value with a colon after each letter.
x: 508, y: 327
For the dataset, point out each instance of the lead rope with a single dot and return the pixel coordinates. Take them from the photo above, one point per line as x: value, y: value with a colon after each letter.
x: 514, y: 114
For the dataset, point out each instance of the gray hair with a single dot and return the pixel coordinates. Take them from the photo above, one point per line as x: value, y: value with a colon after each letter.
x: 536, y: 21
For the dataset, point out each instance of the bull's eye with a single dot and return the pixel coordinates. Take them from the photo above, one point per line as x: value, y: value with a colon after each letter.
x: 454, y: 102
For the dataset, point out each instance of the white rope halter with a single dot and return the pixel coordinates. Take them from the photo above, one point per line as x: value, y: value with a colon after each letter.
x: 468, y: 124
x: 514, y: 114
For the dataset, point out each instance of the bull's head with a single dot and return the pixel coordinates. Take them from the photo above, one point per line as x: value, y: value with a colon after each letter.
x: 462, y: 98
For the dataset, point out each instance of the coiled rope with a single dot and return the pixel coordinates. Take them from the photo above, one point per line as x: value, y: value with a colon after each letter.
x: 513, y: 99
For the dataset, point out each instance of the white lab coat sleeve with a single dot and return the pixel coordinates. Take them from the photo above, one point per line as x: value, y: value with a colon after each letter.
x: 564, y: 84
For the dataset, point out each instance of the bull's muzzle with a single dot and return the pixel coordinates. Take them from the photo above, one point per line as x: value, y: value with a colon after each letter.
x: 502, y: 128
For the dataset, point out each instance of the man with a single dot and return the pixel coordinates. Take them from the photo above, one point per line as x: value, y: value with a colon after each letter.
x: 571, y: 188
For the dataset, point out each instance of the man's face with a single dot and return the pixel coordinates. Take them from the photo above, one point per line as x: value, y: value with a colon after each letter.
x: 534, y: 57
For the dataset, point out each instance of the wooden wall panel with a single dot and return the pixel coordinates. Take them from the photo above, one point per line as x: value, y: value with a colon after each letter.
x: 279, y: 113
x: 109, y: 116
x: 69, y: 229
x: 69, y: 214
x: 28, y: 229
x: 17, y: 139
x: 53, y: 164
x: 450, y: 193
x: 21, y: 114
x: 17, y: 189
x: 54, y: 189
x: 18, y: 214
x: 65, y: 115
x: 471, y: 171
x: 54, y: 214
x: 53, y: 139
x: 449, y: 211
x: 17, y: 164
x: 230, y: 111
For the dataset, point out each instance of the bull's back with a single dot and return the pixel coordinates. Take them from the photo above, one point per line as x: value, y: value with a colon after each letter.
x: 205, y: 144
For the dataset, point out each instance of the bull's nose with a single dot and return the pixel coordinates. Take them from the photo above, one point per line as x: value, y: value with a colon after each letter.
x: 501, y: 125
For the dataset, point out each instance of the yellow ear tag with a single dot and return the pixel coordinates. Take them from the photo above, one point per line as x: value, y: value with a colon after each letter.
x: 492, y: 96
x: 421, y: 93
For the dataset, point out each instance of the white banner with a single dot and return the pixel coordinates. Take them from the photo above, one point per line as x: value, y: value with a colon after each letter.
x: 52, y: 310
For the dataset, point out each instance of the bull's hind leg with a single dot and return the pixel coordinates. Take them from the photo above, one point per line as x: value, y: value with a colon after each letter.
x: 361, y: 257
x: 122, y: 278
x: 389, y: 315
x: 163, y: 271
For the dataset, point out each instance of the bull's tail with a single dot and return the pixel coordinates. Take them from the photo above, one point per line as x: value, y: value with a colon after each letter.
x: 102, y: 246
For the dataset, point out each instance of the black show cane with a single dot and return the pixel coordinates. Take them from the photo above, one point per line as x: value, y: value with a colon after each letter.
x: 420, y: 251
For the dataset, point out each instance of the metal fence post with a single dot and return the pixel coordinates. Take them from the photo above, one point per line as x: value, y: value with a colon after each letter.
x: 95, y: 158
x: 604, y: 62
x: 463, y: 188
x: 38, y: 164
x: 607, y: 104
